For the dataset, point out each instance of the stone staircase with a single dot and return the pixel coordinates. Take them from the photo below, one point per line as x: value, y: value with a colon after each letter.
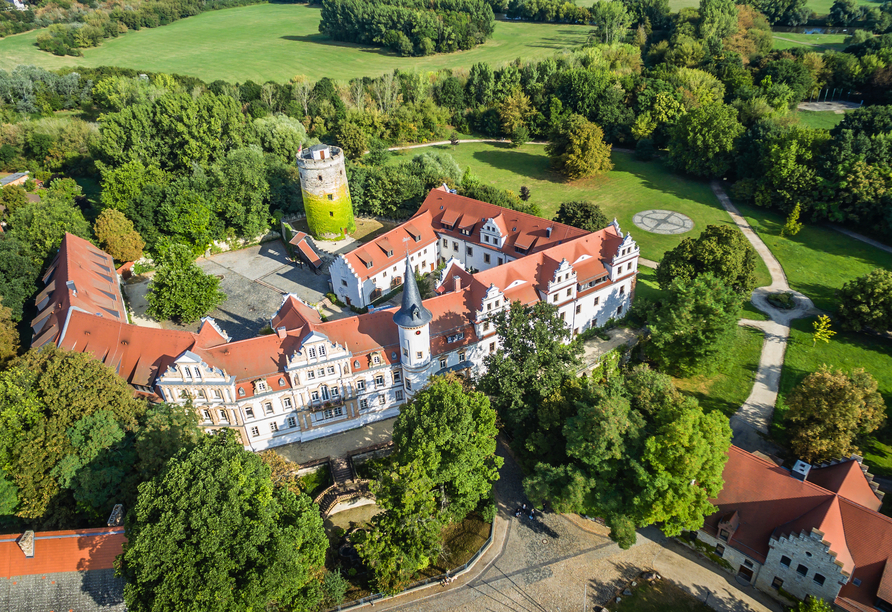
x: 341, y: 470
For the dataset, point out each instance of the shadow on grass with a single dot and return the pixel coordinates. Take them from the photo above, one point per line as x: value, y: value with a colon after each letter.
x: 322, y: 39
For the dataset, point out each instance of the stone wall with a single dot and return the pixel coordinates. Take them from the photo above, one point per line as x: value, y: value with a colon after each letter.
x: 814, y: 555
x: 731, y: 556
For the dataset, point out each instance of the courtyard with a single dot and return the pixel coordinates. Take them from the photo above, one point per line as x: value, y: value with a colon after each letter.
x: 254, y: 279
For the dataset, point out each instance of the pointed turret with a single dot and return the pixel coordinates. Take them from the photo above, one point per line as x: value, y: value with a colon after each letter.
x: 412, y: 313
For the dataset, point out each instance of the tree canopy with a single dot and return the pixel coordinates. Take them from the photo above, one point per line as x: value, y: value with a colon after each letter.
x: 577, y: 148
x: 582, y: 214
x: 702, y: 140
x: 866, y: 302
x: 180, y: 289
x: 721, y: 250
x: 212, y: 533
x: 830, y: 411
x: 117, y: 237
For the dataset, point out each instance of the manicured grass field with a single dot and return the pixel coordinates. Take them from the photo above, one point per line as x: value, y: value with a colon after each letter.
x: 278, y: 41
x: 632, y: 186
x: 825, y: 120
x: 815, y: 42
x: 822, y: 7
x: 845, y: 351
x: 817, y: 260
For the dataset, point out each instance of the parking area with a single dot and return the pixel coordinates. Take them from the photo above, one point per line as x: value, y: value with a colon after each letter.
x: 254, y: 280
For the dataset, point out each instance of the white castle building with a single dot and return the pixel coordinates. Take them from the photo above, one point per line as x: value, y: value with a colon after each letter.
x: 312, y: 378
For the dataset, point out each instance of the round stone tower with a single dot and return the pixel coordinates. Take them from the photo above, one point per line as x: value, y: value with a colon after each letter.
x: 323, y: 184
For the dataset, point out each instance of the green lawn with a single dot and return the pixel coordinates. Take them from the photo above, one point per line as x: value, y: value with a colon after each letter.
x: 844, y: 351
x: 276, y: 42
x: 825, y: 120
x: 817, y: 260
x: 822, y: 7
x: 632, y: 186
x: 817, y: 42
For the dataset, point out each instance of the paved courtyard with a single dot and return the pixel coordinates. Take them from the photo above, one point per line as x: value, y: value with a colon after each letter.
x: 338, y: 445
x: 254, y: 280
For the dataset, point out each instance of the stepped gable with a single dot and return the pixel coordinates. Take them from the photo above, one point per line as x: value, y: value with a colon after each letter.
x: 847, y: 479
x: 826, y: 517
x: 450, y: 214
x: 81, y: 278
x: 388, y: 249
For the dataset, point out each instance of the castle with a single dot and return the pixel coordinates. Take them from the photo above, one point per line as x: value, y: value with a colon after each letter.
x: 325, y: 192
x: 311, y: 378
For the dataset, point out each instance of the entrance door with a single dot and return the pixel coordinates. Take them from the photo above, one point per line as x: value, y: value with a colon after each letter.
x: 745, y: 573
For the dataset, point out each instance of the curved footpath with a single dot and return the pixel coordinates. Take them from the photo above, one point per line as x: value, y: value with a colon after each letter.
x: 752, y: 420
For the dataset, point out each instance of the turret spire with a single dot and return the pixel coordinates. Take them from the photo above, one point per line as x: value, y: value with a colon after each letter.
x: 412, y: 312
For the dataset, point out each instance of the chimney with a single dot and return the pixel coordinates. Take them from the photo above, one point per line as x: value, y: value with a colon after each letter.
x: 70, y: 285
x: 456, y: 280
x: 26, y: 543
x: 281, y: 332
x: 548, y: 232
x: 800, y: 470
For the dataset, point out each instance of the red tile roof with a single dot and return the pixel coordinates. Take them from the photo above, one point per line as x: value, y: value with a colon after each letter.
x: 848, y: 480
x: 396, y: 242
x: 769, y: 501
x: 527, y: 231
x: 62, y: 551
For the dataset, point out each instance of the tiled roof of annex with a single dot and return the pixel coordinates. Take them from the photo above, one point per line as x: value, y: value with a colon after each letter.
x: 391, y: 248
x: 770, y: 502
x: 62, y: 551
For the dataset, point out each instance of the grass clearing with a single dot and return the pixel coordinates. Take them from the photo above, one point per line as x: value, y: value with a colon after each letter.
x: 822, y: 7
x: 632, y: 186
x: 822, y: 120
x: 817, y: 260
x: 814, y: 42
x: 276, y: 42
x: 661, y: 596
x: 845, y: 351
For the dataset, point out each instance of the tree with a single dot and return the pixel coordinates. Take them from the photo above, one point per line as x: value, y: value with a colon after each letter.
x: 844, y: 12
x: 515, y: 112
x: 239, y: 188
x: 9, y: 336
x: 42, y: 225
x: 282, y: 472
x: 582, y: 214
x: 451, y: 433
x: 212, y: 533
x: 121, y: 185
x: 634, y: 451
x: 702, y: 140
x: 829, y: 411
x: 117, y: 236
x: 11, y: 198
x: 530, y: 365
x: 612, y: 20
x: 352, y: 139
x: 792, y: 226
x: 180, y: 289
x: 813, y: 604
x: 718, y: 20
x: 577, y: 148
x: 693, y: 328
x: 720, y: 250
x: 402, y: 540
x: 280, y: 135
x: 822, y: 330
x: 18, y: 273
x: 524, y: 193
x: 55, y: 405
x: 866, y: 302
x: 453, y: 139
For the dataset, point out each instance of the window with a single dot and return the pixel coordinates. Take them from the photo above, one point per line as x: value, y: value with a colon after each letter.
x: 578, y: 308
x: 311, y: 374
x: 379, y: 381
x: 322, y: 350
x: 331, y: 370
x: 249, y: 412
x: 292, y: 422
x: 486, y: 326
x: 461, y: 356
x: 785, y: 560
x: 241, y: 392
x: 399, y: 396
x: 376, y: 360
x: 485, y: 239
x: 223, y: 416
x: 500, y: 261
x: 418, y: 354
x: 397, y: 377
x: 569, y: 291
x: 202, y: 394
x: 748, y: 563
x: 719, y: 549
x: 563, y: 316
x: 619, y: 310
x: 470, y: 251
x: 363, y: 404
x: 486, y: 258
x: 312, y: 353
x: 343, y: 282
x: 335, y: 391
x: 314, y: 396
x: 492, y: 347
x: 445, y: 243
x: 454, y: 246
x: 489, y: 306
x: 360, y: 385
x: 206, y: 414
x: 409, y: 385
x: 286, y: 402
x: 405, y: 352
x: 331, y: 212
x: 274, y: 427
x: 555, y: 298
x: 268, y: 408
x: 818, y: 578
x: 622, y: 290
x: 802, y: 570
x: 777, y: 583
x: 455, y: 338
x: 325, y: 395
x: 255, y: 432
x: 724, y: 535
x: 217, y: 394
x: 597, y: 301
x: 381, y: 400
x: 261, y: 386
x: 321, y: 372
x: 442, y: 363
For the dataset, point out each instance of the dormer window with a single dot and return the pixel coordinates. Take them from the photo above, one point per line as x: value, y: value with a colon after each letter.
x: 376, y: 360
x: 281, y: 382
x: 322, y: 350
x: 368, y: 264
x: 241, y: 392
x: 417, y: 238
x: 261, y: 386
x: 312, y: 353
